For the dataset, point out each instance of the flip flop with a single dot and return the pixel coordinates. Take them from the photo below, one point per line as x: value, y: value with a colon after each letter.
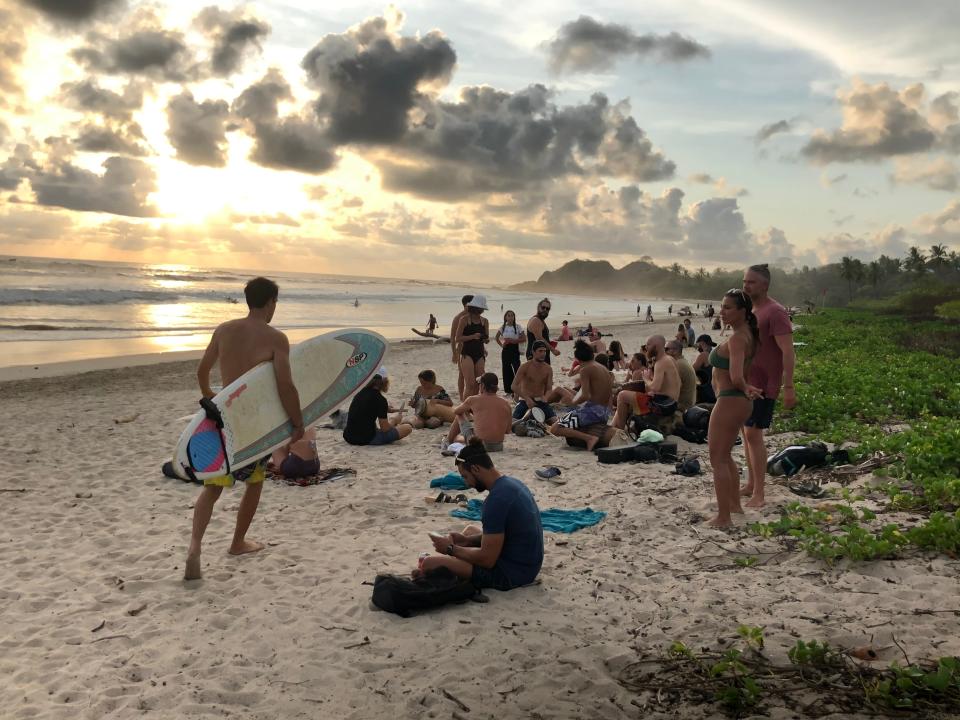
x: 547, y: 473
x: 538, y: 414
x: 807, y: 488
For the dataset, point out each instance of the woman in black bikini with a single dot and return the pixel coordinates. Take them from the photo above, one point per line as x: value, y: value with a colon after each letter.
x: 474, y: 334
x: 731, y: 363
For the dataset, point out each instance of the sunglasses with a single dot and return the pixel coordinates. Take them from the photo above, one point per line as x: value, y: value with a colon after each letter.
x: 545, y: 307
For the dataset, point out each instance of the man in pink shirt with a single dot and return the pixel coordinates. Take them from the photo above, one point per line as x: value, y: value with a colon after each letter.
x: 772, y: 367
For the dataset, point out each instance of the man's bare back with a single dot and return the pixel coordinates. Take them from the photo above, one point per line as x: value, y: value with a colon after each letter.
x: 491, y: 416
x: 666, y: 378
x: 243, y: 344
x: 596, y: 383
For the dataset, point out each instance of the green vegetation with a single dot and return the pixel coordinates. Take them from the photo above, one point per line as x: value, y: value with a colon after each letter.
x: 741, y: 678
x: 949, y: 310
x: 866, y: 378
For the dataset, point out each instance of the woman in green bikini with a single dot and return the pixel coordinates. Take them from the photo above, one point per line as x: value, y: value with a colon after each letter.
x: 731, y: 363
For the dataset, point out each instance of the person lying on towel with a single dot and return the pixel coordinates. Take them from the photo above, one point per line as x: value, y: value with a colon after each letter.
x: 507, y: 552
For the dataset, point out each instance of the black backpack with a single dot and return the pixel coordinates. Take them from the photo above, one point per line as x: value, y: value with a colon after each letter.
x: 403, y: 595
x: 789, y: 460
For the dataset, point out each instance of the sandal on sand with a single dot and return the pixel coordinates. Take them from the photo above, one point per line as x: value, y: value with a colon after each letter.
x: 807, y: 488
x: 446, y: 498
x: 547, y: 473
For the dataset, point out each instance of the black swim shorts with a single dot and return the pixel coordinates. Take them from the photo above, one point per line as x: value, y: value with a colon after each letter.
x: 762, y: 415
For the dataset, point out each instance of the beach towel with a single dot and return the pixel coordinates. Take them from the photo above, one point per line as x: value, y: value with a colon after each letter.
x: 321, y: 476
x: 450, y: 481
x: 553, y: 520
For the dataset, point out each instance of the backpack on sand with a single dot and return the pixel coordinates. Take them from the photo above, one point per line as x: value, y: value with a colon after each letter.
x: 788, y: 461
x: 403, y: 595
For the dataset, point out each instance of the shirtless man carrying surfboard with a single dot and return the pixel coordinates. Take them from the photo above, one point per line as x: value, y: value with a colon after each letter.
x: 240, y: 345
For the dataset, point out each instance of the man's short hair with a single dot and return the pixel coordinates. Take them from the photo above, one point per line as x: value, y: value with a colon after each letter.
x: 540, y: 344
x: 762, y: 270
x: 465, y: 299
x: 473, y: 454
x: 604, y: 359
x: 686, y: 321
x: 427, y: 376
x: 674, y: 346
x: 489, y: 381
x: 260, y: 291
x: 583, y: 351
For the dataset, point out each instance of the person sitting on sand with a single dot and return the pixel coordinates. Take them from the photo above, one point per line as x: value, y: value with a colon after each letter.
x: 240, y: 345
x: 681, y: 335
x: 636, y: 367
x: 704, y: 371
x: 735, y: 396
x: 486, y: 416
x: 299, y: 459
x: 688, y: 376
x: 367, y: 422
x: 691, y: 335
x: 533, y: 383
x: 662, y: 391
x: 507, y: 551
x: 617, y: 356
x: 565, y: 333
x: 596, y: 388
x: 596, y: 341
x: 473, y: 334
x: 431, y: 402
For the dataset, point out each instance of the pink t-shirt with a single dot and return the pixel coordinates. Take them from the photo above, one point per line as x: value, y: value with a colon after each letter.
x: 766, y: 371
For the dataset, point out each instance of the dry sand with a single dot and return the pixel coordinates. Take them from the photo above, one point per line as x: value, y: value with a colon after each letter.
x: 97, y: 623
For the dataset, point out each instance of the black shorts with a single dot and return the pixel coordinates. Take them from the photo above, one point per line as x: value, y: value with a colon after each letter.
x: 762, y: 415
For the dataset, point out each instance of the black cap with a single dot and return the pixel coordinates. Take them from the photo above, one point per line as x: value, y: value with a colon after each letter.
x: 707, y: 339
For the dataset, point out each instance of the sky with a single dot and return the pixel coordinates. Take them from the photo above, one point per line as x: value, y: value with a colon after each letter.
x: 487, y: 140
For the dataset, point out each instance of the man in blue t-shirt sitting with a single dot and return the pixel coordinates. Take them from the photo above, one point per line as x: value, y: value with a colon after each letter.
x: 507, y: 551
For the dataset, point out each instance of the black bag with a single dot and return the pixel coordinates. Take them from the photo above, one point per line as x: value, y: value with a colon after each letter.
x: 690, y: 435
x: 614, y: 455
x: 403, y: 595
x: 666, y: 452
x: 788, y: 461
x: 696, y: 418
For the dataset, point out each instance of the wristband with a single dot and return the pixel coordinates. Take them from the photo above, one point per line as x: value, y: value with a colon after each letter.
x: 450, y: 549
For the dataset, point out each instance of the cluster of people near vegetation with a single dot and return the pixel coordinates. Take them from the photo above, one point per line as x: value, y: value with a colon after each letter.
x: 738, y: 380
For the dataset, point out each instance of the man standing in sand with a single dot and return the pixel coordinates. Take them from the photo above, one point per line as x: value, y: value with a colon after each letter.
x: 537, y: 330
x: 532, y: 384
x: 596, y: 387
x: 240, y: 345
x: 663, y: 389
x: 489, y: 416
x: 456, y: 347
x: 772, y: 365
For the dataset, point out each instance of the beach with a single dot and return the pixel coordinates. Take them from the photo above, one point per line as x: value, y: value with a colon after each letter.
x: 98, y: 623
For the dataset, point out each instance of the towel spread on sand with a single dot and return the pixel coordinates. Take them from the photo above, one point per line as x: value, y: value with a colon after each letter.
x: 450, y: 481
x: 553, y: 520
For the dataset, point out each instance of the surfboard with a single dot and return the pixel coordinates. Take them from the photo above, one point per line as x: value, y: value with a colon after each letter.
x: 328, y: 370
x: 432, y: 336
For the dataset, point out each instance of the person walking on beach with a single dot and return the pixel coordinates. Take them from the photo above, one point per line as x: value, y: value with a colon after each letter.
x: 771, y: 367
x: 649, y: 314
x: 240, y: 345
x: 507, y: 551
x: 473, y: 335
x: 454, y: 345
x: 731, y: 366
x: 431, y: 325
x: 537, y: 330
x: 509, y: 338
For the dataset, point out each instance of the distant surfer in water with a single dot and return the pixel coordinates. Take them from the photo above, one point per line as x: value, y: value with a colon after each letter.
x: 240, y: 345
x: 356, y: 302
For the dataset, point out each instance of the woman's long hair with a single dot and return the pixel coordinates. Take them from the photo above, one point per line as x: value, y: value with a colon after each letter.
x: 616, y: 351
x: 744, y: 302
x: 503, y: 327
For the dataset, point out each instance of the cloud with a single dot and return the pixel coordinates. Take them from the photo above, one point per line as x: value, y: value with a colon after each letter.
x: 233, y: 34
x: 88, y: 96
x: 370, y: 79
x: 13, y: 44
x: 293, y: 144
x: 275, y: 219
x: 197, y: 131
x: 103, y: 139
x: 878, y: 122
x: 121, y: 190
x: 892, y: 240
x: 258, y: 103
x: 936, y: 174
x: 941, y: 227
x: 152, y: 52
x: 586, y: 45
x: 771, y: 129
x: 75, y: 11
x: 720, y: 185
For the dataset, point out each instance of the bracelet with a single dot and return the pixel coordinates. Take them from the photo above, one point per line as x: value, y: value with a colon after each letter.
x: 450, y: 549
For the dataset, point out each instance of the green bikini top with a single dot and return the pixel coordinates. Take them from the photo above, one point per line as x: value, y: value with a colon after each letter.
x: 719, y: 361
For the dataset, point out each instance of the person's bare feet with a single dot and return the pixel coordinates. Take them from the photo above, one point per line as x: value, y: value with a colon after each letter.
x: 718, y: 522
x: 756, y: 502
x: 736, y: 509
x: 592, y: 443
x: 192, y: 570
x: 247, y: 546
x: 746, y: 491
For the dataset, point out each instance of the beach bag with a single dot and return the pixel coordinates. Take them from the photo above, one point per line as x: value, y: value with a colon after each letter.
x: 791, y: 459
x: 696, y: 418
x: 403, y: 595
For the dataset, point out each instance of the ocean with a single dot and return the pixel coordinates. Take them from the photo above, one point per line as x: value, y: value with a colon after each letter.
x: 54, y: 310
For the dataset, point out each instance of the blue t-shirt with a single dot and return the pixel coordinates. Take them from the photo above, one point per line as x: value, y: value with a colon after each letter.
x: 510, y: 509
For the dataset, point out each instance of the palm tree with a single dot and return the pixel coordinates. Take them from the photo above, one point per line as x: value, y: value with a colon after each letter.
x: 915, y: 261
x: 874, y: 272
x: 702, y: 274
x: 938, y: 257
x: 888, y: 265
x: 851, y: 270
x: 675, y: 269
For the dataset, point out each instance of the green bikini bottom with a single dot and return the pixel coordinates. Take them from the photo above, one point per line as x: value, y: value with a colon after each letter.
x: 733, y: 393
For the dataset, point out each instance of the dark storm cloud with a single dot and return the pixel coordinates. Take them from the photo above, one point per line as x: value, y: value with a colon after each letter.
x: 370, y: 80
x: 88, y: 96
x: 125, y: 140
x: 258, y: 103
x: 198, y: 131
x: 292, y: 144
x: 586, y: 45
x: 771, y: 129
x: 75, y: 11
x: 878, y: 123
x: 121, y: 190
x: 233, y: 35
x: 153, y: 52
